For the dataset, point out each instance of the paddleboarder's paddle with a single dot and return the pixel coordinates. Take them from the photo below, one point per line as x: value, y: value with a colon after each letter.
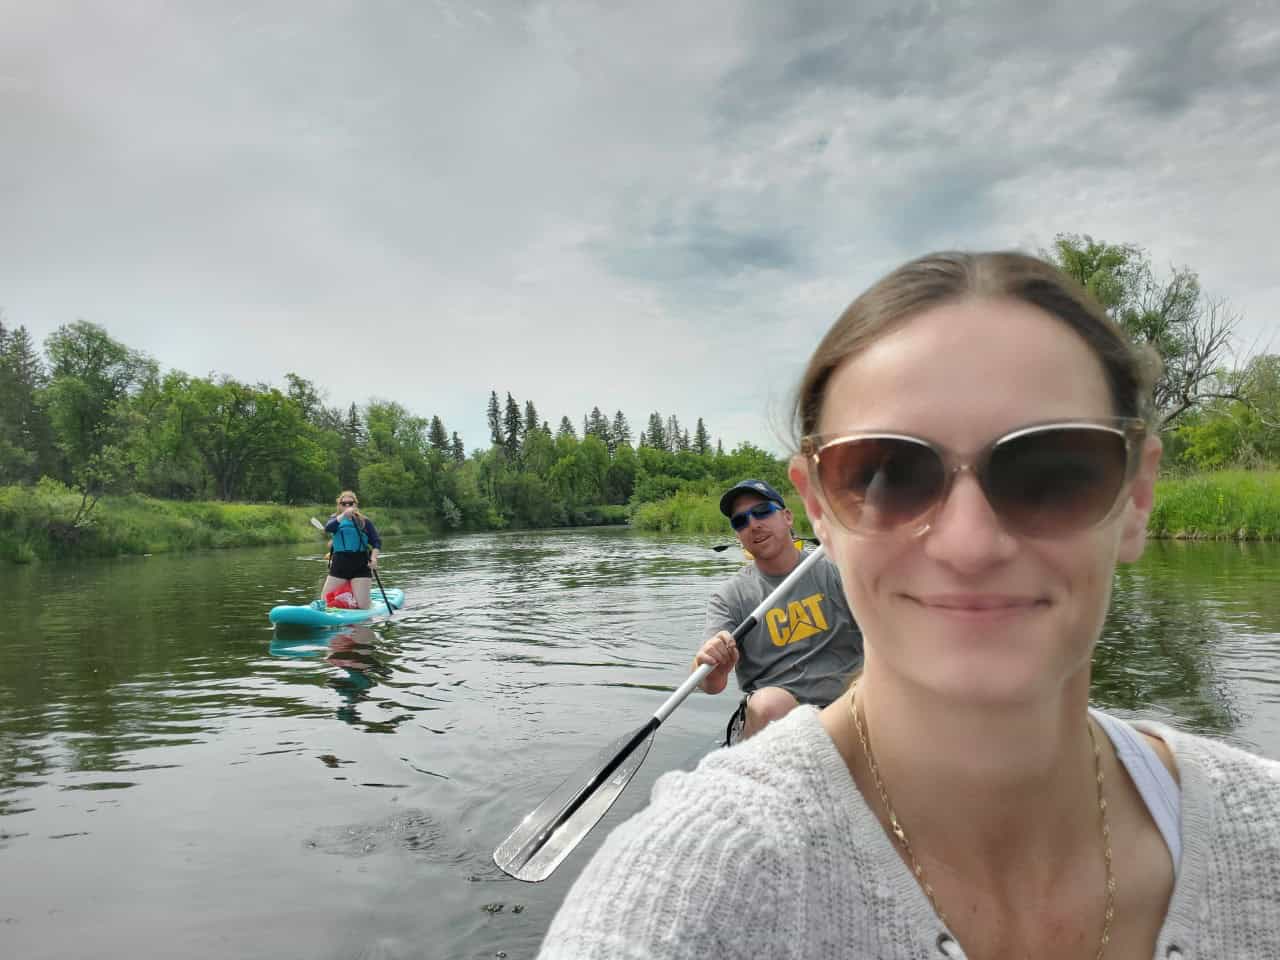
x: 550, y: 832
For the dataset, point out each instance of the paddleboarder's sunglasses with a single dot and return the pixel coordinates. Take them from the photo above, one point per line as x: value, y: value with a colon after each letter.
x: 346, y: 503
x: 1042, y: 481
x: 739, y: 521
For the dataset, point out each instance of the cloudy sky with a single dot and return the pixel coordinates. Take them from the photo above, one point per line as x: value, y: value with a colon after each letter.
x: 645, y: 206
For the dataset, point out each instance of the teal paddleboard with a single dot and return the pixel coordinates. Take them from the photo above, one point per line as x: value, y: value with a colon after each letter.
x: 313, y: 615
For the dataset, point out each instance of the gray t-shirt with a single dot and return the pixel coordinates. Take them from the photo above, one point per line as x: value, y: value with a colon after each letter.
x: 807, y: 643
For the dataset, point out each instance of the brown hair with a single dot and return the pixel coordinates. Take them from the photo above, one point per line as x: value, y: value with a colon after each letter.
x: 939, y: 278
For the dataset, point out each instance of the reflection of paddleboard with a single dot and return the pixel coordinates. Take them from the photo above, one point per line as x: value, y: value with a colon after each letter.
x: 312, y: 615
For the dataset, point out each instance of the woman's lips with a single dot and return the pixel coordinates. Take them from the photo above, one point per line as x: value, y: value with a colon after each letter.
x: 978, y: 606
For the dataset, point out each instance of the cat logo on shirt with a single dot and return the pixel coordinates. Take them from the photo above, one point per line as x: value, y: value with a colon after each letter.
x: 801, y: 620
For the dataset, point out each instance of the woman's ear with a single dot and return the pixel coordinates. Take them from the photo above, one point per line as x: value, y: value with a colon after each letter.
x: 799, y: 474
x: 1142, y: 495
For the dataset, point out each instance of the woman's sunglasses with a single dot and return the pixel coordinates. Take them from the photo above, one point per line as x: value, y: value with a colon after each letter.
x: 1042, y: 481
x: 739, y: 521
x: 346, y: 503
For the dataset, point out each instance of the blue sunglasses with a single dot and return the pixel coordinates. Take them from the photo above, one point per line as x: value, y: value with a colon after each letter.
x: 739, y: 521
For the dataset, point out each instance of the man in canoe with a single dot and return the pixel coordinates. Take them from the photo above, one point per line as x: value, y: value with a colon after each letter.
x: 804, y: 648
x: 354, y: 550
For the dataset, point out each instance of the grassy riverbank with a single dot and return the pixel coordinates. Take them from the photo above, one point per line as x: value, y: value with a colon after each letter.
x: 36, y: 523
x: 1224, y: 505
x: 691, y: 513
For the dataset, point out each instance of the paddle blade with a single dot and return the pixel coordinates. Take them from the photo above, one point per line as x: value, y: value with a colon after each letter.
x: 549, y: 834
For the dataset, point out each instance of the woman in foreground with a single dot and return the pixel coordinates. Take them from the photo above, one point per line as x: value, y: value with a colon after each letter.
x: 976, y: 457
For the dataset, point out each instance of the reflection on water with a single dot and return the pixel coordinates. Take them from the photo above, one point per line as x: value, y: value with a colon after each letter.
x: 354, y: 663
x: 161, y: 748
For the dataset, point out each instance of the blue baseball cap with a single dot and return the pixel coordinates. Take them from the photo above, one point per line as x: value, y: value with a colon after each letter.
x: 758, y: 487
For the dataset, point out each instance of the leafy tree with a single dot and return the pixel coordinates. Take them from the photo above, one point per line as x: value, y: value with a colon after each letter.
x: 395, y: 434
x: 1189, y: 331
x: 237, y: 428
x: 303, y: 393
x: 1244, y: 433
x: 388, y: 482
x: 90, y: 380
x: 620, y: 478
x: 539, y: 453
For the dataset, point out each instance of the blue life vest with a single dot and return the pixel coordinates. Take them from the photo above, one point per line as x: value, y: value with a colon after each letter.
x: 349, y: 538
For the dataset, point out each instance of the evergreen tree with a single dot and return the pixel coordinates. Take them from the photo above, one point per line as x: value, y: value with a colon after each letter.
x: 620, y: 431
x: 437, y: 436
x: 598, y: 425
x: 456, y: 448
x: 642, y: 440
x: 585, y: 431
x: 530, y: 417
x: 514, y: 425
x: 26, y: 436
x: 719, y: 448
x: 348, y: 458
x: 566, y: 429
x: 495, y: 419
x: 657, y: 432
x: 546, y: 428
x: 684, y: 442
x: 673, y: 433
x: 701, y: 441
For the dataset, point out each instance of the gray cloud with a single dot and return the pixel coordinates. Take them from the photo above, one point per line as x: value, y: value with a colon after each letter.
x: 589, y: 204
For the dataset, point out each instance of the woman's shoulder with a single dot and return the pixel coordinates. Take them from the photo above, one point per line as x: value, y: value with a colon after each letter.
x: 1217, y: 777
x: 1214, y: 754
x: 676, y: 878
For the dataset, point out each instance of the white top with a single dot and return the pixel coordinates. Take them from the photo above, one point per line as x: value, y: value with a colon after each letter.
x: 1152, y: 778
x: 768, y: 849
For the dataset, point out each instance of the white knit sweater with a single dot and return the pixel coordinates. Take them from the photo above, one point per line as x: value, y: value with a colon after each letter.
x: 768, y: 850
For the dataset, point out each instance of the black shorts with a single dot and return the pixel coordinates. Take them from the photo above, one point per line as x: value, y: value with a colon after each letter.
x: 350, y: 566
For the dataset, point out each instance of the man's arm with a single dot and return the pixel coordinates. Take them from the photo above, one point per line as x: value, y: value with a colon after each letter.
x: 719, y: 649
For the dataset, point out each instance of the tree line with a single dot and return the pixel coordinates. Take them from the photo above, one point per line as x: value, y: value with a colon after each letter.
x: 100, y: 417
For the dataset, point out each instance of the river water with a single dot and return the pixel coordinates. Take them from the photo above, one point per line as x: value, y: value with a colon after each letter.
x: 175, y: 779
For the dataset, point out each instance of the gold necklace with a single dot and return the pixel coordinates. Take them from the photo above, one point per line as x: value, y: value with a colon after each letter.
x: 1109, y: 909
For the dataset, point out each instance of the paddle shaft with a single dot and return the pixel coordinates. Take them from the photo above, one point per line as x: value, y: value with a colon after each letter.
x: 602, y: 776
